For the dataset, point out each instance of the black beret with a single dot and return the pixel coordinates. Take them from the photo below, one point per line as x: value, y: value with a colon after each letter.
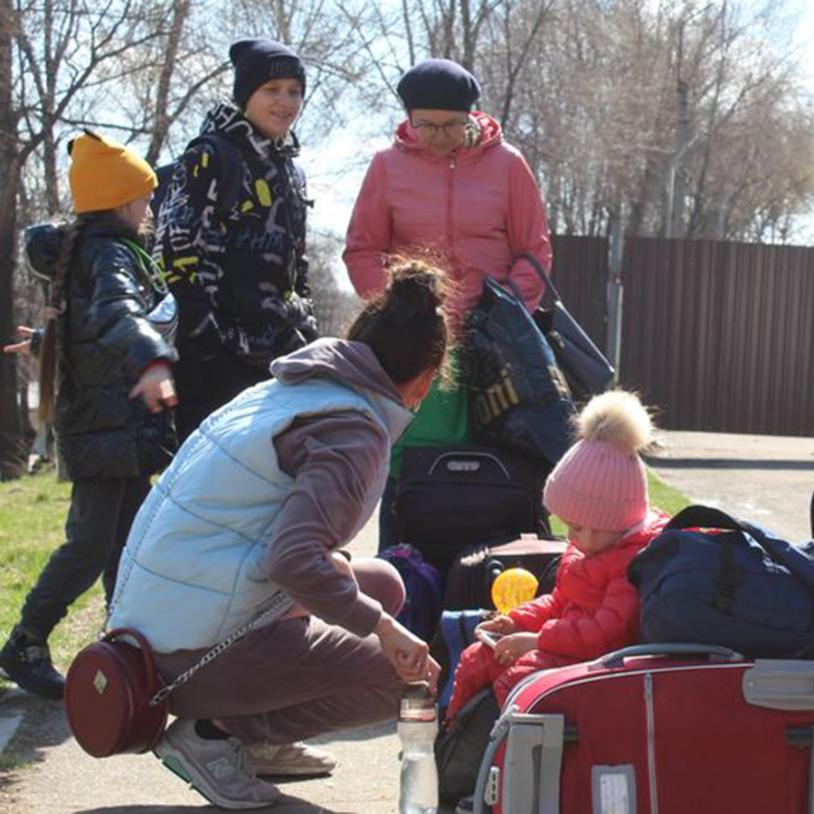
x: 438, y: 84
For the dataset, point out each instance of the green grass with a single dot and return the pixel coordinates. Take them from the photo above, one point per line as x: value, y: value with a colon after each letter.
x: 32, y: 520
x: 662, y: 497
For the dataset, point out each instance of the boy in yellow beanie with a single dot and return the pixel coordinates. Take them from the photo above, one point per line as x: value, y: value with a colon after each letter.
x: 107, y: 371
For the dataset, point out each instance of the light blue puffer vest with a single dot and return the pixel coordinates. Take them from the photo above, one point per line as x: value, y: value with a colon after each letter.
x: 189, y: 574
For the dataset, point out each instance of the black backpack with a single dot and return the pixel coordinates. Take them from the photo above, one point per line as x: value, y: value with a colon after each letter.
x: 460, y: 746
x: 230, y: 174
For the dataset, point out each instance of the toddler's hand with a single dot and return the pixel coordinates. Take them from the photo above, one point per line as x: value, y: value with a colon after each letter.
x: 500, y: 624
x: 512, y: 647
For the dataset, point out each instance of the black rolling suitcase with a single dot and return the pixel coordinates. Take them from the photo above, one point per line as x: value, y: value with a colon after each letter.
x: 470, y: 578
x: 452, y: 498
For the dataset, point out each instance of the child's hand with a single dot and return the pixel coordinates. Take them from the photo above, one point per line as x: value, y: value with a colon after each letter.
x: 510, y: 648
x: 499, y: 624
x: 24, y: 346
x: 156, y: 387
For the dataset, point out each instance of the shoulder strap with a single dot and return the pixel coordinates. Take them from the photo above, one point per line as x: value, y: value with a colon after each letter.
x: 229, y: 169
x: 550, y: 289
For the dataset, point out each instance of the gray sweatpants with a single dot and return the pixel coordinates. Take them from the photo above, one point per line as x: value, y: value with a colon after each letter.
x: 296, y: 678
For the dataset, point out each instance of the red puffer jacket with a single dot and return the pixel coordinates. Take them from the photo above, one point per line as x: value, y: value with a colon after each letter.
x: 593, y: 609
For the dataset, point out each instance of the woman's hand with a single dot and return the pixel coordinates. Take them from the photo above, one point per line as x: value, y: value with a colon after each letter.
x: 499, y: 624
x: 512, y: 647
x: 156, y: 387
x: 23, y: 347
x: 409, y: 655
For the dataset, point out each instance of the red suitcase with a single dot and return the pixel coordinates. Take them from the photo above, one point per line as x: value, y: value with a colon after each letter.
x: 655, y: 729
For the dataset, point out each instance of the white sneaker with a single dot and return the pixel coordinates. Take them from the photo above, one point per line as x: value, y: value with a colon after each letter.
x: 289, y: 760
x: 216, y: 769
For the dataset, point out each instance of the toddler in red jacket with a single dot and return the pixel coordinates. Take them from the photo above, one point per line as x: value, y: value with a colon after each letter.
x: 599, y: 489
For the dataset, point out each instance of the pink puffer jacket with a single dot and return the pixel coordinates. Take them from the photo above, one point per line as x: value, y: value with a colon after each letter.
x: 476, y: 210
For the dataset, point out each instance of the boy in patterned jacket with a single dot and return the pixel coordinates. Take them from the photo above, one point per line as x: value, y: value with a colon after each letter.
x: 239, y: 272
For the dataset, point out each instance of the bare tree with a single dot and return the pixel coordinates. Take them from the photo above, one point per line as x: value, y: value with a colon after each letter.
x: 334, y: 306
x: 11, y: 454
x: 49, y: 54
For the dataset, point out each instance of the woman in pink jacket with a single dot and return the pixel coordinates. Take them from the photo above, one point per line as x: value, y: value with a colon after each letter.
x: 451, y: 187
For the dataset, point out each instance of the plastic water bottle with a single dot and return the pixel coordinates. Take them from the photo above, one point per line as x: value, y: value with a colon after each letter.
x: 417, y: 726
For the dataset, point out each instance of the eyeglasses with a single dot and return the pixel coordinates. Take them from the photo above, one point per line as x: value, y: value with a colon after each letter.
x: 448, y: 128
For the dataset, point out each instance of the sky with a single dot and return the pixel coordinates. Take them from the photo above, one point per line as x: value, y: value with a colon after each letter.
x: 804, y: 40
x: 334, y: 193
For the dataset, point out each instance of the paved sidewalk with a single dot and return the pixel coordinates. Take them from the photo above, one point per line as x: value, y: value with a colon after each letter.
x: 765, y: 479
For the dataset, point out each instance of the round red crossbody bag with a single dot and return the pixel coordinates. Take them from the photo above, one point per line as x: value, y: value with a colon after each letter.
x: 114, y: 697
x: 110, y: 696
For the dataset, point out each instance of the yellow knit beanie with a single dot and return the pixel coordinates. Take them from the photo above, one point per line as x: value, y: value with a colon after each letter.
x: 105, y: 174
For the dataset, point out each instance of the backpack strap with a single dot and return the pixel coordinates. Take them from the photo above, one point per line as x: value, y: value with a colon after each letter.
x: 229, y: 169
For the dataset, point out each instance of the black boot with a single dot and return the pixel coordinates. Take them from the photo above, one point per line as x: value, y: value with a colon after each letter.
x: 465, y: 805
x: 27, y: 662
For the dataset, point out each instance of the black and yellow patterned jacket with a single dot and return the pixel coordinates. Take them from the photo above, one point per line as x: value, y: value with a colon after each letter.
x: 240, y: 277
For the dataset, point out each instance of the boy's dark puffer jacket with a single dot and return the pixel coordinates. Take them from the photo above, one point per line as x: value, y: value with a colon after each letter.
x: 105, y: 344
x: 241, y: 279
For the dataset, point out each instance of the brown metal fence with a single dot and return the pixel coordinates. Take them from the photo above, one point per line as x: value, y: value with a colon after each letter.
x: 717, y: 336
x: 580, y: 273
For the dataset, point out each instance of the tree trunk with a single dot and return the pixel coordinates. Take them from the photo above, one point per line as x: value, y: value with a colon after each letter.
x: 12, y: 445
x: 162, y: 119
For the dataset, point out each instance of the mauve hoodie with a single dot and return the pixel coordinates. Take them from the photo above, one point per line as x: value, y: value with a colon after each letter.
x: 477, y: 209
x: 334, y: 459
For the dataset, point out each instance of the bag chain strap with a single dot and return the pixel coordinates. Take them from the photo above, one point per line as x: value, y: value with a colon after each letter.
x: 279, y: 603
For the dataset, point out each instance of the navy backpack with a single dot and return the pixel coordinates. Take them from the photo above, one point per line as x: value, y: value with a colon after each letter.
x: 456, y: 631
x: 711, y: 579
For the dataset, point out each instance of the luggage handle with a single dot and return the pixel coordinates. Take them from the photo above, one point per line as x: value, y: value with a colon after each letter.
x: 785, y: 684
x: 487, y: 455
x: 711, y: 651
x: 802, y: 737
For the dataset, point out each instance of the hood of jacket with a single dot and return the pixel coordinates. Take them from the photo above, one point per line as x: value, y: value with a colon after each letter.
x: 42, y: 243
x: 351, y: 363
x: 41, y: 246
x: 491, y: 134
x: 230, y: 122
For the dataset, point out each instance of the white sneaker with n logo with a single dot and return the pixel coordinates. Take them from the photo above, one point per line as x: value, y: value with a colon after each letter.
x: 216, y: 769
x: 221, y: 768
